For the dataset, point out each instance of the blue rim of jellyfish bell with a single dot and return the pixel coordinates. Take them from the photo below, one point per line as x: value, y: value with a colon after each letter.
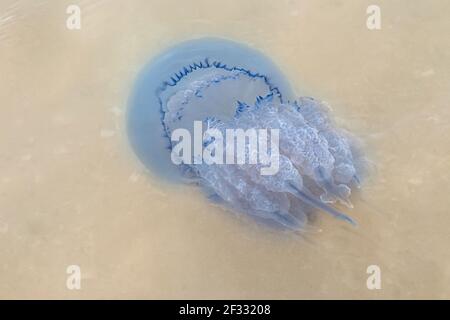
x: 145, y: 126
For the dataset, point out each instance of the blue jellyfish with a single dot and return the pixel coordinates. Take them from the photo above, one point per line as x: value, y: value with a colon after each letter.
x: 219, y: 86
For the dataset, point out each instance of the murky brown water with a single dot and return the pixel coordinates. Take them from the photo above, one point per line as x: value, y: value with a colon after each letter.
x: 72, y: 193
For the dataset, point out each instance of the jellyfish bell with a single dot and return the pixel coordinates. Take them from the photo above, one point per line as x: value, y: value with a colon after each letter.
x: 191, y: 81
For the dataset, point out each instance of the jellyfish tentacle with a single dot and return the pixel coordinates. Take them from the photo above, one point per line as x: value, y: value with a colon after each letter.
x: 309, y: 199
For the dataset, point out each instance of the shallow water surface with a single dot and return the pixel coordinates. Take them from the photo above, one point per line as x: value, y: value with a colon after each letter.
x: 72, y: 192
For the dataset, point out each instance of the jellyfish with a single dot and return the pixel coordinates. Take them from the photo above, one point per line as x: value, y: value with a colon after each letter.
x: 208, y: 88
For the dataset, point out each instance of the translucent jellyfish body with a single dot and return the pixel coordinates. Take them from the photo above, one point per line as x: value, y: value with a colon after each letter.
x: 224, y: 87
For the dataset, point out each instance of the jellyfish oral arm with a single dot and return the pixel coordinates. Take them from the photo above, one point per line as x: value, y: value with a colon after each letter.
x: 240, y: 147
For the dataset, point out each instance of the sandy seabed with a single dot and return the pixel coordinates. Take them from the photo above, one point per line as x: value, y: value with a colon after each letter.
x: 73, y: 193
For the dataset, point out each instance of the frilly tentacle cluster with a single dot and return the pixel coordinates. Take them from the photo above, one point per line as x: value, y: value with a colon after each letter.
x: 316, y: 163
